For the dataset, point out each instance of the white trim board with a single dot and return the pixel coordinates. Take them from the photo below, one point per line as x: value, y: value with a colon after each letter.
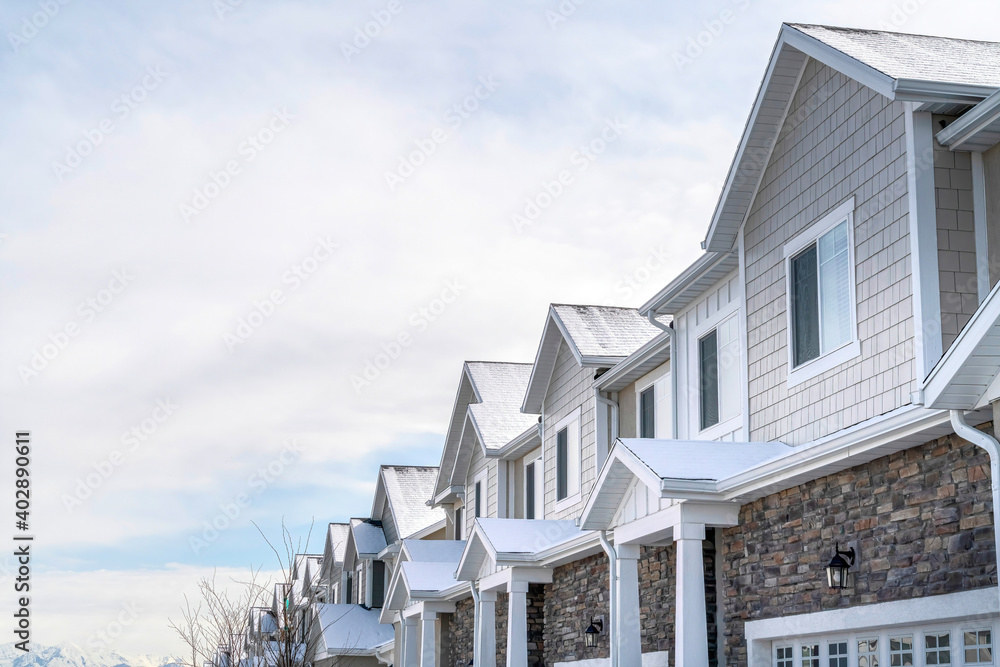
x: 651, y: 659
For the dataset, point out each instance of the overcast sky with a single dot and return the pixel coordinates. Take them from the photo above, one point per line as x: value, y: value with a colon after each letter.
x: 217, y: 215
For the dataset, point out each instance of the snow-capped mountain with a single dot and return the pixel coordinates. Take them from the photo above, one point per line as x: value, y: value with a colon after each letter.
x: 72, y: 655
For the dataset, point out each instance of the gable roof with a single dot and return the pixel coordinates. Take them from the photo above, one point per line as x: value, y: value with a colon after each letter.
x: 506, y: 542
x: 407, y: 490
x: 367, y: 536
x: 350, y: 629
x: 596, y: 335
x: 944, y: 75
x: 487, y: 410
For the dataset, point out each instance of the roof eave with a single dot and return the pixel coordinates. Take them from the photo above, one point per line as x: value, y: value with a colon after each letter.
x: 620, y: 375
x: 520, y: 445
x: 967, y: 127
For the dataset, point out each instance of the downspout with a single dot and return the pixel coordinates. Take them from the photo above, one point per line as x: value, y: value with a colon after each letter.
x: 992, y: 447
x: 476, y: 622
x: 613, y: 602
x: 669, y: 330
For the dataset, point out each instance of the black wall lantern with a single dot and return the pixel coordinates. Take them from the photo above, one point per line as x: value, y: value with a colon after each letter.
x: 590, y: 634
x: 838, y: 572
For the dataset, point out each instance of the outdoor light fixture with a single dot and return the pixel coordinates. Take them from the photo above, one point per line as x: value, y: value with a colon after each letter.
x: 838, y: 572
x: 590, y: 634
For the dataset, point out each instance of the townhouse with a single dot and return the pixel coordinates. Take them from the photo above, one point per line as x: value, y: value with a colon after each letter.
x: 785, y: 457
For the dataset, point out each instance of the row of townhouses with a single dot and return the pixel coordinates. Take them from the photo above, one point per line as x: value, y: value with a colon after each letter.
x: 784, y: 458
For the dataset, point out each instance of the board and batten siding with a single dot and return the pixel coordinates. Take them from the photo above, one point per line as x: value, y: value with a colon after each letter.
x: 841, y: 139
x: 570, y: 387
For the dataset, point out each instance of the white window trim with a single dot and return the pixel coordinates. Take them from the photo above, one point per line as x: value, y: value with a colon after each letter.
x: 539, y: 462
x: 852, y: 348
x: 482, y: 478
x: 660, y: 374
x: 734, y: 423
x: 573, y: 498
x: 638, y: 407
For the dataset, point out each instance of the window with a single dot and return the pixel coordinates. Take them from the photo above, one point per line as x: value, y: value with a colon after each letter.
x: 479, y: 498
x: 562, y: 464
x: 821, y: 312
x: 719, y: 373
x: 868, y: 653
x: 810, y: 656
x: 567, y: 455
x: 378, y: 583
x: 900, y: 651
x: 837, y: 653
x: 937, y: 649
x: 533, y: 489
x: 647, y: 414
x: 458, y: 523
x: 349, y: 590
x: 784, y: 657
x: 978, y: 647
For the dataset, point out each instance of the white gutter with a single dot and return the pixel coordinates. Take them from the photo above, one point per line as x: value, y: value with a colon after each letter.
x: 476, y: 623
x: 669, y: 330
x: 613, y: 601
x: 992, y: 447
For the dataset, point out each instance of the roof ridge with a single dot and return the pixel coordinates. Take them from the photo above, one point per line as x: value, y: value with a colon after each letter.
x: 584, y: 305
x: 510, y: 363
x: 889, y: 32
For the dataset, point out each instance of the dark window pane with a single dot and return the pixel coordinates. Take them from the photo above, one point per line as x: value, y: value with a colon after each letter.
x: 562, y: 464
x: 708, y: 361
x: 529, y: 491
x: 349, y: 593
x: 378, y: 583
x: 458, y: 523
x: 805, y: 307
x: 479, y: 502
x: 647, y: 424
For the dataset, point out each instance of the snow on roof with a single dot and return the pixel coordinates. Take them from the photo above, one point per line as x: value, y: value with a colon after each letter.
x: 434, y: 551
x: 368, y: 536
x: 527, y: 536
x: 351, y: 629
x: 921, y: 57
x: 431, y: 577
x: 501, y: 388
x: 336, y: 537
x: 700, y: 460
x: 408, y: 489
x: 605, y: 331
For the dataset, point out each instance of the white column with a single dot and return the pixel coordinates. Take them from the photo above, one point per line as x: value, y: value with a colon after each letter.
x: 427, y: 656
x: 410, y: 641
x: 487, y: 629
x: 691, y: 622
x: 629, y: 640
x: 517, y: 624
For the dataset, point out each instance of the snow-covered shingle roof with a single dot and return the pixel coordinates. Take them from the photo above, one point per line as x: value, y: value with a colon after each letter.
x: 408, y: 489
x: 350, y: 629
x: 921, y: 57
x: 605, y: 331
x: 336, y: 540
x: 368, y: 536
x: 434, y: 551
x: 501, y: 389
x: 513, y: 541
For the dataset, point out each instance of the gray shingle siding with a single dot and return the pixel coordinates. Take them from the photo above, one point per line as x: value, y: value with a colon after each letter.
x: 841, y: 139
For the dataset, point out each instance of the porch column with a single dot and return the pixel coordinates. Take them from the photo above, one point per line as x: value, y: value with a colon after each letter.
x: 629, y: 640
x: 517, y: 624
x: 427, y: 656
x: 410, y: 641
x: 487, y: 629
x: 690, y: 618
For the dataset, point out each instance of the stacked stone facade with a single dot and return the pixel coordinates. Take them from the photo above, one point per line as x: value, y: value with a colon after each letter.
x: 920, y: 520
x: 578, y: 593
x: 461, y: 640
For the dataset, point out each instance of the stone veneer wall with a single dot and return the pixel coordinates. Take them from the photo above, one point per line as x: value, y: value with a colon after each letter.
x: 921, y: 520
x: 460, y: 630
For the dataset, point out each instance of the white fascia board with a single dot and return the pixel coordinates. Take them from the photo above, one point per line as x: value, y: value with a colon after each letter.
x: 655, y: 346
x: 450, y: 494
x: 519, y: 446
x: 862, y: 73
x: 534, y: 379
x: 391, y: 550
x: 916, y: 90
x: 973, y: 121
x: 843, y: 445
x: 600, y: 361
